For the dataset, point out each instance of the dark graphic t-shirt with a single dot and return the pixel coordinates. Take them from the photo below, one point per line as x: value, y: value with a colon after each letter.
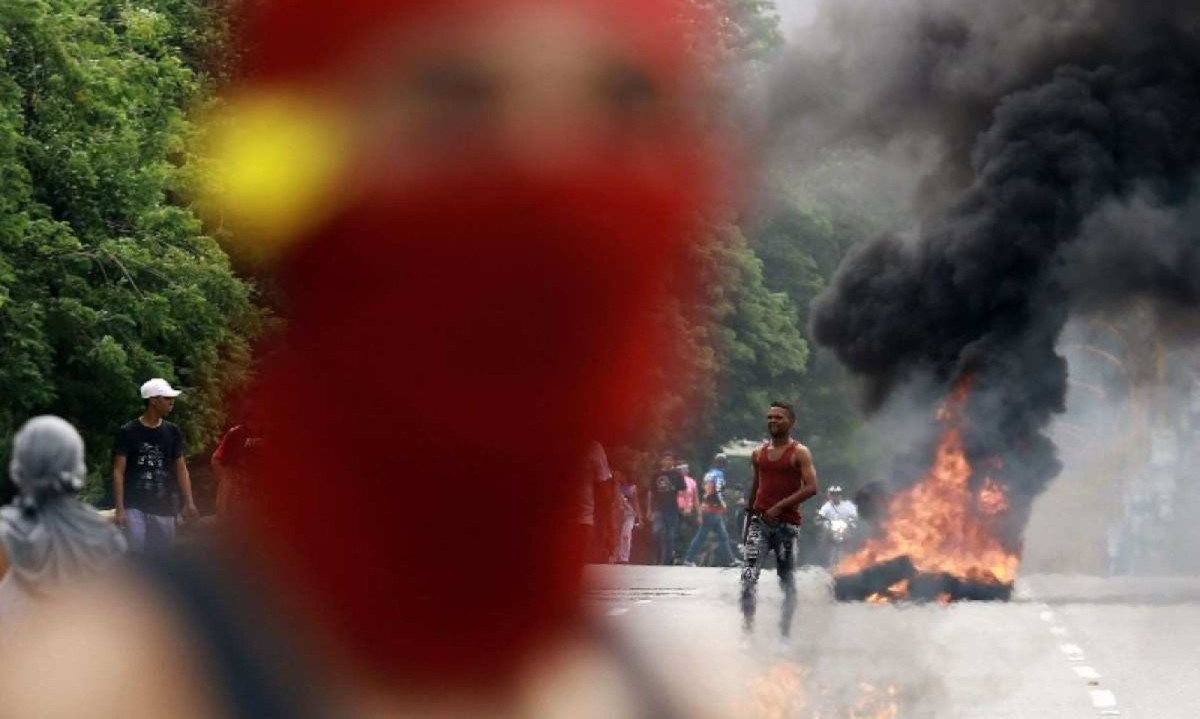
x: 665, y: 485
x: 150, y: 454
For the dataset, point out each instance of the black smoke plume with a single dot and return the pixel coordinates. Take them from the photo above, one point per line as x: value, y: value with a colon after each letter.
x: 1069, y: 139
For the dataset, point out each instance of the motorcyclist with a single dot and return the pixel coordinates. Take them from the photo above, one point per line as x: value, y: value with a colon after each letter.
x: 838, y: 516
x: 837, y: 506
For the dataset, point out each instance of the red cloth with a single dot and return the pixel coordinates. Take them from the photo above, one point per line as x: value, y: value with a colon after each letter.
x: 295, y: 39
x: 451, y: 350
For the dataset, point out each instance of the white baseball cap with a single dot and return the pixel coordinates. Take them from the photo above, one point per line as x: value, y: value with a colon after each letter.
x: 158, y: 387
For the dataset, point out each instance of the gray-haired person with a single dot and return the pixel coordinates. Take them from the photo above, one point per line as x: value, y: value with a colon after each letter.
x: 49, y: 537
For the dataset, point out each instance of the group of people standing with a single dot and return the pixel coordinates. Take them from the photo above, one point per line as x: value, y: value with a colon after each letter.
x: 613, y: 504
x: 672, y: 495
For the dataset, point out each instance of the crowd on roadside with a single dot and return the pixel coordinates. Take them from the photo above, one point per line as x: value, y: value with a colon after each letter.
x: 666, y: 516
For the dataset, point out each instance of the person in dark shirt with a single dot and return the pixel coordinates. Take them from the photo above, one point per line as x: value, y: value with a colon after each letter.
x: 150, y: 473
x: 663, y: 490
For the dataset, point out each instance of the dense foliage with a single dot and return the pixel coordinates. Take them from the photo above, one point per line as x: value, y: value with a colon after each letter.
x: 106, y: 277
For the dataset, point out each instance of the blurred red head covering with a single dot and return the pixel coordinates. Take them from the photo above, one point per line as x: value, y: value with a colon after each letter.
x: 452, y: 346
x: 306, y: 39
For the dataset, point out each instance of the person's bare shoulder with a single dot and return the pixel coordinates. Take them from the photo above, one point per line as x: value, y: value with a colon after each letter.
x: 802, y: 453
x: 110, y: 648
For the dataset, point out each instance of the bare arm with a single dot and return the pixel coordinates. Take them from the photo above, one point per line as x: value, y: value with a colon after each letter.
x: 119, y: 488
x: 185, y: 487
x: 753, y: 493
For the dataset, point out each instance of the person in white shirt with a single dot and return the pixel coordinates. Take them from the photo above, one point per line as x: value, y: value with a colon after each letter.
x: 837, y: 507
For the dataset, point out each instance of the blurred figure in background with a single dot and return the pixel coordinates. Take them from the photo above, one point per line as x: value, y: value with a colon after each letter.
x: 233, y: 462
x: 626, y: 516
x: 469, y: 208
x: 48, y: 537
x: 689, y: 510
x: 712, y: 515
x: 665, y: 488
x: 595, y: 505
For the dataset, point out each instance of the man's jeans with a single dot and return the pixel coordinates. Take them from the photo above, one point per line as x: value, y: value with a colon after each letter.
x: 712, y: 522
x: 666, y: 526
x: 148, y: 532
x: 761, y: 539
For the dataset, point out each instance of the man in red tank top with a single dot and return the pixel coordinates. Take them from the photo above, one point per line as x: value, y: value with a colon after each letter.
x: 784, y: 477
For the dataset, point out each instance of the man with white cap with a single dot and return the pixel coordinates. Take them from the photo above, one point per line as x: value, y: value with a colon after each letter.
x: 149, y: 472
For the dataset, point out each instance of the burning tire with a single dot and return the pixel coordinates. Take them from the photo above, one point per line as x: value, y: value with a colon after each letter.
x: 898, y: 579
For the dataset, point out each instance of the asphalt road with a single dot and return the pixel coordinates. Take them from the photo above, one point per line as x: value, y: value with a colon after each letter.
x: 1065, y: 647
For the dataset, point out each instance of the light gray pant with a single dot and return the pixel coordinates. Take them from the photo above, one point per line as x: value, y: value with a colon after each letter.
x: 624, y: 538
x: 148, y: 532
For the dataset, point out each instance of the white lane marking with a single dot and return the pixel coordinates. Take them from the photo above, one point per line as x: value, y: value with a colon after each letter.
x: 1087, y: 673
x: 618, y: 611
x: 644, y: 601
x: 1103, y: 699
x: 1073, y: 652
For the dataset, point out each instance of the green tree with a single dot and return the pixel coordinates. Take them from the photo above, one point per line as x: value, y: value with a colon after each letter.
x: 757, y: 334
x: 802, y: 234
x: 740, y: 343
x: 106, y: 277
x: 751, y: 30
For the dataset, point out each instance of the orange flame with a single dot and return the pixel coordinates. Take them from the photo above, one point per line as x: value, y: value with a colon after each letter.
x: 876, y: 703
x: 944, y: 523
x: 787, y: 690
x: 779, y: 693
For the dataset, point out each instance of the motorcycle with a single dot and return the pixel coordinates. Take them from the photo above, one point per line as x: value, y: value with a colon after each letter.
x: 839, y: 533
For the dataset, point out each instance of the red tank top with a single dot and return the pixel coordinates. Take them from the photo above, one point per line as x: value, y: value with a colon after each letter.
x: 776, y: 480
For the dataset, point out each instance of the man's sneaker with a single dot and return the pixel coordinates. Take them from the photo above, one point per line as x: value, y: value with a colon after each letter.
x: 781, y: 647
x: 689, y: 564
